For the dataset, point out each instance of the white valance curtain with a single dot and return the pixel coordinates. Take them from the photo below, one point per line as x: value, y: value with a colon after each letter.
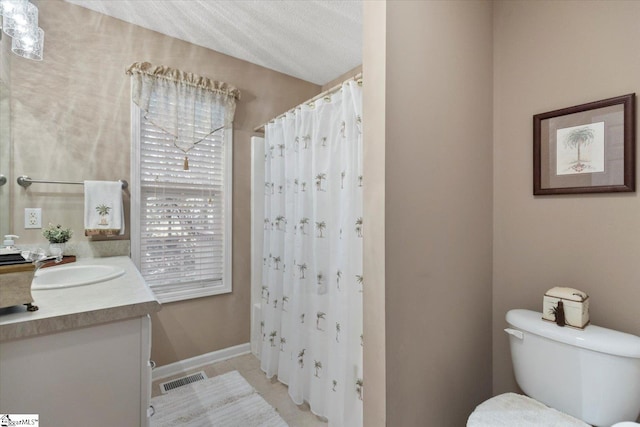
x: 312, y: 255
x: 187, y: 106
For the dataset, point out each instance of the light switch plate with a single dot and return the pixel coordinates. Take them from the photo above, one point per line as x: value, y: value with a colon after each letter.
x: 32, y: 218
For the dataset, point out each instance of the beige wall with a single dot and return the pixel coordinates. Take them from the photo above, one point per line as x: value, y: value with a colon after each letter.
x: 374, y: 110
x: 437, y: 171
x: 71, y: 122
x: 551, y: 55
x: 437, y: 210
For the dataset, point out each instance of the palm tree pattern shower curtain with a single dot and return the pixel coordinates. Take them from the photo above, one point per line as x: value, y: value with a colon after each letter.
x: 312, y: 256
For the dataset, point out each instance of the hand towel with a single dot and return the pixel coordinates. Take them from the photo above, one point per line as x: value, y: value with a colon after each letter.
x: 103, y: 210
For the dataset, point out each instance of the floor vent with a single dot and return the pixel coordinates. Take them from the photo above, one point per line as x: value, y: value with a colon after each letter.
x: 179, y: 382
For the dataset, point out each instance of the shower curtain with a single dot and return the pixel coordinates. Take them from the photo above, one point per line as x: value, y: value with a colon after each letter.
x: 312, y: 280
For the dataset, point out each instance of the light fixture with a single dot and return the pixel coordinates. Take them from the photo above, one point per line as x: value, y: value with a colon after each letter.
x: 20, y: 21
x: 30, y: 44
x: 8, y: 7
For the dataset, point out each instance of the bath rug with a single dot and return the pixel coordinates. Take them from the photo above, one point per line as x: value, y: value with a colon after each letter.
x: 511, y: 409
x: 224, y: 401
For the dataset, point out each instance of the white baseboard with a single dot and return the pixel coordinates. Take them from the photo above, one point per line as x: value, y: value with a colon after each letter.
x: 182, y: 366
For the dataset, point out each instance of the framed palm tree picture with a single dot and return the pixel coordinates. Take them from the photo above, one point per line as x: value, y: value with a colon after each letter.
x: 588, y: 148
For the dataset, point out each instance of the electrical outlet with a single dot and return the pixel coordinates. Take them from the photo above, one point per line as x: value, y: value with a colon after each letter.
x: 33, y: 218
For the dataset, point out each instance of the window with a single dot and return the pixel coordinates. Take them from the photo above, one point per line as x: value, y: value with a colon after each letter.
x: 180, y: 219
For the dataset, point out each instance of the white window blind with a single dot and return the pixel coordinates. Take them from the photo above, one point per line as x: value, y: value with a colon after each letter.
x: 181, y: 219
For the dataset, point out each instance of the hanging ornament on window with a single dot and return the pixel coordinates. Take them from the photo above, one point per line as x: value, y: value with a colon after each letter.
x: 186, y: 146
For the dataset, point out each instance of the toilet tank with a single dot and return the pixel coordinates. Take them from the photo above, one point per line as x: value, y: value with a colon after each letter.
x: 591, y: 374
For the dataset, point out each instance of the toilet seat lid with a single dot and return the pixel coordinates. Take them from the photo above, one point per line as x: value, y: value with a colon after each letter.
x: 511, y: 409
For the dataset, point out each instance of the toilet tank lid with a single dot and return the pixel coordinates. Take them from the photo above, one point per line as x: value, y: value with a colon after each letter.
x: 591, y: 337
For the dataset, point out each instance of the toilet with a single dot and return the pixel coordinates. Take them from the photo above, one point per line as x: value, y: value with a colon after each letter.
x: 571, y: 377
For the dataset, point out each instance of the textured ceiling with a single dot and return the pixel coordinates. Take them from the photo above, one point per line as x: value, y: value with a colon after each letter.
x: 314, y: 40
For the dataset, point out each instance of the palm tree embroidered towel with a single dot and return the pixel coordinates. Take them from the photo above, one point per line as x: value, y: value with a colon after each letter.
x: 103, y: 210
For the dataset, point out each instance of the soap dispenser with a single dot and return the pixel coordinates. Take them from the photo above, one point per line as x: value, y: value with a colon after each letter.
x: 9, y: 246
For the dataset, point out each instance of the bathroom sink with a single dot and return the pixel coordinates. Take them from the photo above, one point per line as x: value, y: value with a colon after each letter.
x: 74, y: 275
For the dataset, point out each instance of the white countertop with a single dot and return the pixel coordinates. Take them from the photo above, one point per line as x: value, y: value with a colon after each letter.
x: 121, y: 298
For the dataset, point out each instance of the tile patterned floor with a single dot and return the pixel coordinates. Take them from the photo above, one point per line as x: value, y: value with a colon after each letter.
x: 272, y: 391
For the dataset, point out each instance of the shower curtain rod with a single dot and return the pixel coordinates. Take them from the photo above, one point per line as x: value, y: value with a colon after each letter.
x: 357, y: 78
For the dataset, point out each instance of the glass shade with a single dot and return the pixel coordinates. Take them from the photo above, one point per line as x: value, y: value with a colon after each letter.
x: 20, y: 20
x: 29, y: 45
x: 9, y: 7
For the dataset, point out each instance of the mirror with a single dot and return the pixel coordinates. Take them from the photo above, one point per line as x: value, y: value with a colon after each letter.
x: 5, y: 137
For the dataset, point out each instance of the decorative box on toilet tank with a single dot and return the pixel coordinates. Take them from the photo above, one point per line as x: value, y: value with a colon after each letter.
x: 575, y: 302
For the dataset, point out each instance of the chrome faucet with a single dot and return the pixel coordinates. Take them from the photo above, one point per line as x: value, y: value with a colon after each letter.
x: 39, y: 258
x: 42, y: 261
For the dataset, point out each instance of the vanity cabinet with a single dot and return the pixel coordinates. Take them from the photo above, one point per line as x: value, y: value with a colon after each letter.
x: 92, y: 376
x: 82, y: 359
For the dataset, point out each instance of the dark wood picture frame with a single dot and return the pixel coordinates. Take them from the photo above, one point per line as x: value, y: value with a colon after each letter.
x: 606, y: 132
